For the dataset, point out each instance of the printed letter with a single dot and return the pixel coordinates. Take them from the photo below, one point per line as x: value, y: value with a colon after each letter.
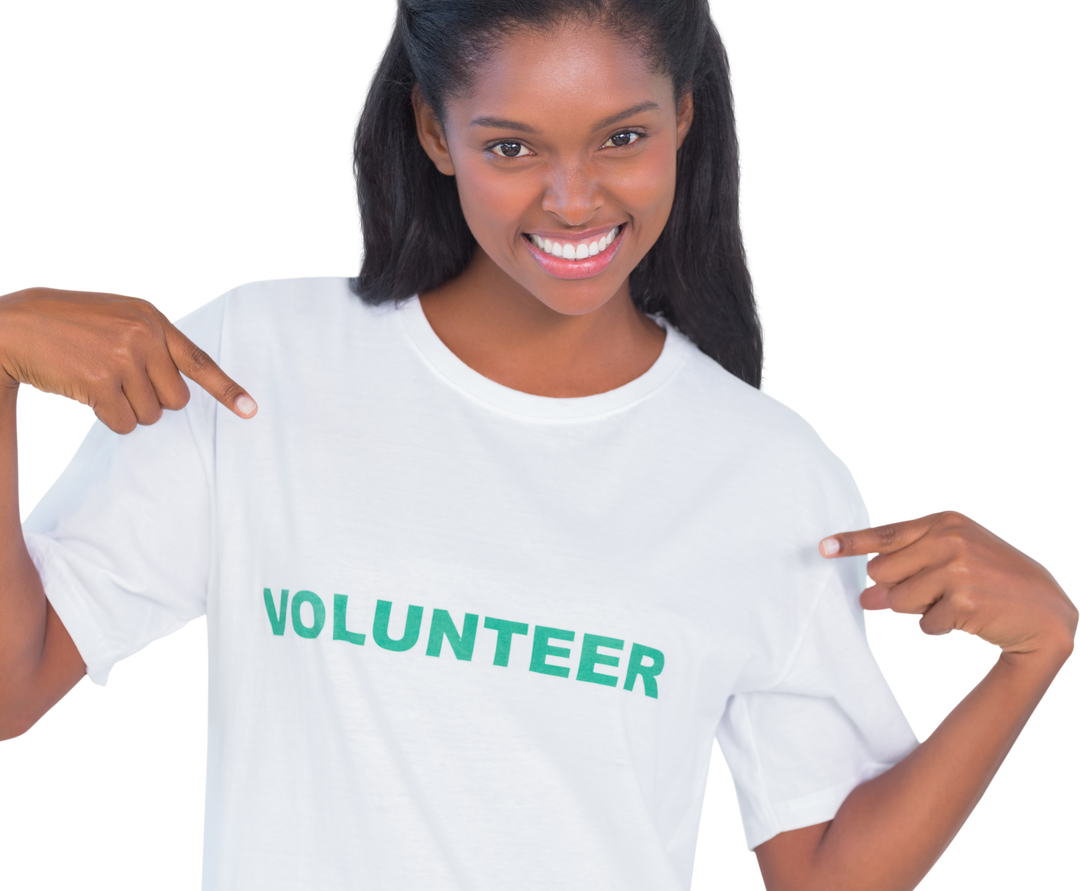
x: 302, y: 630
x: 341, y: 604
x: 442, y: 625
x: 542, y: 649
x: 379, y: 630
x: 506, y: 631
x: 277, y: 619
x: 590, y: 658
x: 648, y: 672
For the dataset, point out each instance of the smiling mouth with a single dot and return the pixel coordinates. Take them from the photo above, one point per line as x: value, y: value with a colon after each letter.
x: 575, y: 250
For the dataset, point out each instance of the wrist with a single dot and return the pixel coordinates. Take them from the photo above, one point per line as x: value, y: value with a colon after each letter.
x: 1046, y: 659
x: 7, y: 382
x: 8, y: 322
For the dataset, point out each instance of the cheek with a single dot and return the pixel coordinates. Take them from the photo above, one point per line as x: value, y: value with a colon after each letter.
x: 493, y: 203
x: 649, y: 193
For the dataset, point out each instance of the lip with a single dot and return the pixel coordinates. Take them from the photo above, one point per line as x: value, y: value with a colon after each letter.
x: 574, y: 269
x: 576, y: 237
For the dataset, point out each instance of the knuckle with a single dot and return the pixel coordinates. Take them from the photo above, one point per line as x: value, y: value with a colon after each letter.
x: 121, y: 352
x: 176, y: 400
x: 132, y: 331
x: 199, y: 359
x: 965, y: 602
x: 231, y: 392
x: 951, y: 519
x: 123, y: 426
x: 960, y: 575
x: 128, y: 346
x: 98, y: 378
x: 957, y: 541
x: 888, y: 534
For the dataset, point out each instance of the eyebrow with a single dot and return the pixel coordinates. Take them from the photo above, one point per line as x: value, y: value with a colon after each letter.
x: 503, y: 124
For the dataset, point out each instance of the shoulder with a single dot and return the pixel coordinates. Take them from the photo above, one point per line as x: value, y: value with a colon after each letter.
x: 315, y: 296
x: 765, y: 442
x: 290, y: 316
x: 729, y: 411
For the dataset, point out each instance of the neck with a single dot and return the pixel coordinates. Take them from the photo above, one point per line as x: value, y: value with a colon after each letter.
x: 502, y: 331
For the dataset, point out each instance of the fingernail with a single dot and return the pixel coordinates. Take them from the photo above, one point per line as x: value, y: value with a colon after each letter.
x: 245, y: 405
x: 829, y: 546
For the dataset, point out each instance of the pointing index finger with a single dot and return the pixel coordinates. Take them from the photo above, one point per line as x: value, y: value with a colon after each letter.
x: 199, y: 367
x: 875, y: 540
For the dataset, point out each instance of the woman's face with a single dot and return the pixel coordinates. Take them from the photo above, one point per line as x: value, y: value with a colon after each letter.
x: 565, y: 145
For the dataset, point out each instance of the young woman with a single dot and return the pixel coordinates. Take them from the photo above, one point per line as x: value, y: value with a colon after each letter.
x: 489, y: 568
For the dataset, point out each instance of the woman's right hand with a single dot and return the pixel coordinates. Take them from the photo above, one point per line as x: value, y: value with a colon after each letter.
x: 119, y: 355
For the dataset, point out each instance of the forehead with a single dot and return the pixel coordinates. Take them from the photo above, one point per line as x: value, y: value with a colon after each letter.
x: 569, y: 70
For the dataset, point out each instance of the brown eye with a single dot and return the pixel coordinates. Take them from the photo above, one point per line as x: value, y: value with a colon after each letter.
x: 619, y: 140
x: 508, y: 149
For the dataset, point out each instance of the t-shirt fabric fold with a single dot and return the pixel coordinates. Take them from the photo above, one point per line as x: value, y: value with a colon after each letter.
x: 462, y: 636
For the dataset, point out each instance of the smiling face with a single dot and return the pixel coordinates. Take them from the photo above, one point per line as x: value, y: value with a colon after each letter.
x: 563, y: 147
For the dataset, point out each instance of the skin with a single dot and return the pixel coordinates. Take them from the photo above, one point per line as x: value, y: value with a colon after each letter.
x: 505, y: 316
x: 891, y: 830
x: 957, y: 575
x: 533, y: 331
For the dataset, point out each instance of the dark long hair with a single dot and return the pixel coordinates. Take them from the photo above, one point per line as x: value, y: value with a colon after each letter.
x: 415, y: 234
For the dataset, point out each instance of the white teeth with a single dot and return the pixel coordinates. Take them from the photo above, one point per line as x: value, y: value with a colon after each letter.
x: 574, y: 252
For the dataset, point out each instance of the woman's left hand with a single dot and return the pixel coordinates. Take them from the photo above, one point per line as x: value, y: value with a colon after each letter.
x: 959, y: 575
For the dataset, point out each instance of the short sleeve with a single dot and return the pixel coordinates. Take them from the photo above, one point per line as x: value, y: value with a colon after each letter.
x: 123, y: 539
x: 798, y: 748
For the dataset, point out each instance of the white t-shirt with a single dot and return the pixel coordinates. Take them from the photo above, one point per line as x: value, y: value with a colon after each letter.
x: 462, y: 636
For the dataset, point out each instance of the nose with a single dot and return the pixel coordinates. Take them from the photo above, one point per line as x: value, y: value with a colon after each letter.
x: 572, y: 193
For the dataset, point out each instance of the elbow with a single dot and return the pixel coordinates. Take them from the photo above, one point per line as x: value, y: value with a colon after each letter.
x: 12, y: 726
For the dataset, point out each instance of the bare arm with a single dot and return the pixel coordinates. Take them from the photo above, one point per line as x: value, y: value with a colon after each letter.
x: 38, y: 661
x: 123, y: 358
x: 891, y: 830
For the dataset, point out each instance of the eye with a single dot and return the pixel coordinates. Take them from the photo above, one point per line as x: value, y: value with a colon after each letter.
x: 510, y: 149
x: 623, y: 139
